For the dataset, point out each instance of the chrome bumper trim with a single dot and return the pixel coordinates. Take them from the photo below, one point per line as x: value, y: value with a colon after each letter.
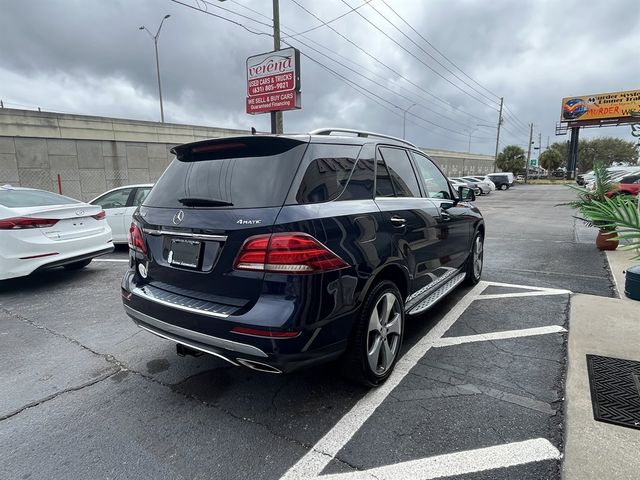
x: 197, y: 236
x: 166, y: 330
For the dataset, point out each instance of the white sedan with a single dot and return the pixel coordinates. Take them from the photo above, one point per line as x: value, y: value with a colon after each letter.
x: 40, y: 229
x: 119, y: 205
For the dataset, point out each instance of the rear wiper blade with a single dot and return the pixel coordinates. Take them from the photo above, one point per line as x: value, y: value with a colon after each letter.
x: 204, y: 202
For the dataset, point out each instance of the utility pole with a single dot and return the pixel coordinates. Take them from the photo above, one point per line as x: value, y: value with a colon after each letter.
x: 404, y: 120
x: 277, y: 124
x: 526, y: 170
x: 495, y: 158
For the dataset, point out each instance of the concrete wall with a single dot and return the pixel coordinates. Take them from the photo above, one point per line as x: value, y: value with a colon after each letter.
x: 94, y: 154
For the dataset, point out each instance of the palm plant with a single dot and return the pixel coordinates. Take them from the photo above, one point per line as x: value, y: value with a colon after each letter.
x: 620, y: 214
x: 587, y: 198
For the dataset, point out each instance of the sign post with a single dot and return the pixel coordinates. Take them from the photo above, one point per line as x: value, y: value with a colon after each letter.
x: 273, y: 82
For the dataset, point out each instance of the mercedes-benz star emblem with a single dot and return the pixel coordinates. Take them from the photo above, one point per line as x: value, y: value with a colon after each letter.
x: 178, y: 217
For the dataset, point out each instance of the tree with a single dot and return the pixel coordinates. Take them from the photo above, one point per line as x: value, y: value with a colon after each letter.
x: 550, y: 159
x: 511, y: 159
x: 605, y: 149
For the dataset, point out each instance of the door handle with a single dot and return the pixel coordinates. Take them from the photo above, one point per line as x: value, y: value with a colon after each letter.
x: 445, y: 216
x: 398, y: 222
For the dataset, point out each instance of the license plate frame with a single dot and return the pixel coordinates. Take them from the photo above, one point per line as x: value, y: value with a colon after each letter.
x: 185, y: 253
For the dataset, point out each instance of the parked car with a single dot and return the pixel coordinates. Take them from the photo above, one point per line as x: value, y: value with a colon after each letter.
x: 589, y: 177
x: 484, y: 185
x: 40, y: 230
x: 629, y: 185
x: 319, y: 257
x: 501, y: 180
x: 469, y: 184
x: 119, y: 205
x: 615, y: 176
x: 485, y: 178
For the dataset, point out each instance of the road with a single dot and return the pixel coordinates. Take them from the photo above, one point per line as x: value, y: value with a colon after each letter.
x: 478, y: 392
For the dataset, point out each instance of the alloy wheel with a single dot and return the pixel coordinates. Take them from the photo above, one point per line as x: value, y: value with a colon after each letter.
x: 383, y: 339
x: 478, y: 256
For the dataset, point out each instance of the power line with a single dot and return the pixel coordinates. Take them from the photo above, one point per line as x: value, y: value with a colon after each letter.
x: 351, y: 10
x: 362, y: 67
x: 409, y: 99
x: 387, y: 67
x: 364, y: 91
x: 438, y: 51
x: 425, y: 52
x: 342, y: 77
x: 223, y: 18
x: 416, y: 57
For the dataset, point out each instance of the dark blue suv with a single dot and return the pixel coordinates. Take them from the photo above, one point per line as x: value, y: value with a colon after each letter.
x: 279, y: 252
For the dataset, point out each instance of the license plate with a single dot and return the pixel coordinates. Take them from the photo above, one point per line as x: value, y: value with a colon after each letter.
x: 185, y: 253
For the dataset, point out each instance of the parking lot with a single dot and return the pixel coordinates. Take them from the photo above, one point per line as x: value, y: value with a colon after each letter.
x: 477, y: 394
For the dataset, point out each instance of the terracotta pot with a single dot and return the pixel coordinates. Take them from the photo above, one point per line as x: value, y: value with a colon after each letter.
x: 603, y: 241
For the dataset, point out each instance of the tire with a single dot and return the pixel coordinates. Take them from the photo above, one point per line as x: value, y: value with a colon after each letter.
x: 473, y: 268
x: 373, y: 369
x: 504, y: 186
x: 77, y: 265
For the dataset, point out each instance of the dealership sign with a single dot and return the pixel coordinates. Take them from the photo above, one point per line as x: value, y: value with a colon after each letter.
x: 273, y: 81
x: 601, y: 108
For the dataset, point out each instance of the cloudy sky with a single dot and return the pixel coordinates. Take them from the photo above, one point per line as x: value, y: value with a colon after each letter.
x: 453, y: 59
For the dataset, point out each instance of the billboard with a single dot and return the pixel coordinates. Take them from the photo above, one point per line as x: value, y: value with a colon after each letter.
x: 273, y: 81
x: 600, y: 108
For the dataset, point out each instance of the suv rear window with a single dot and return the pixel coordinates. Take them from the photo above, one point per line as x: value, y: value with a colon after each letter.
x: 240, y: 173
x: 334, y: 173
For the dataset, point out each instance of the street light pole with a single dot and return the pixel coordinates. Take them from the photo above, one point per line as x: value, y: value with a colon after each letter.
x: 404, y: 120
x: 155, y: 43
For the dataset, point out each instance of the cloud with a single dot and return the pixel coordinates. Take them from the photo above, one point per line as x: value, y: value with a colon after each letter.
x: 89, y: 57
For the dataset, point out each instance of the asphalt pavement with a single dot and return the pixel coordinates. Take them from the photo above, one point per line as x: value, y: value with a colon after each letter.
x: 477, y: 394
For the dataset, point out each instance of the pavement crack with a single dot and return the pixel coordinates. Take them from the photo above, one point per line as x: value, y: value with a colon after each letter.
x: 509, y: 352
x: 61, y: 392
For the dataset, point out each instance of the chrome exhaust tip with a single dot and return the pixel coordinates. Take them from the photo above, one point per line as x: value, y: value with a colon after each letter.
x: 259, y: 366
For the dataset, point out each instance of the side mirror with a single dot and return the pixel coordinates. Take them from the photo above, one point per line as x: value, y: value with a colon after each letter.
x: 466, y: 194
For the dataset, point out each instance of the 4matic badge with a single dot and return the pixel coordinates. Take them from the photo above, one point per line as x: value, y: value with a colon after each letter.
x: 249, y: 222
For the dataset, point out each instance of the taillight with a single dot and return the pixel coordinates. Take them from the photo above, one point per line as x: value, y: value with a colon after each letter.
x: 17, y: 223
x: 136, y: 239
x: 287, y: 253
x: 100, y: 215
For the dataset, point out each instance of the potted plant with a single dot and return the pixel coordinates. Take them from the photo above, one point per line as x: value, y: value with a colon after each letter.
x: 607, y: 238
x: 620, y: 214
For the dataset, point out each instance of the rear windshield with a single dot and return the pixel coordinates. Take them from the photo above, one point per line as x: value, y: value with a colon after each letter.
x: 244, y: 174
x: 32, y: 198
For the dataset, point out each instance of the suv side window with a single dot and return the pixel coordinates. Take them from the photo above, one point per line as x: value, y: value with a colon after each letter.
x: 383, y: 180
x: 403, y: 178
x: 140, y: 195
x: 334, y: 173
x: 435, y: 182
x: 115, y: 199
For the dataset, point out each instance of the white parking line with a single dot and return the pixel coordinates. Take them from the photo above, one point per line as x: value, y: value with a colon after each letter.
x: 460, y: 463
x: 320, y: 455
x: 483, y: 337
x: 328, y: 446
x: 111, y: 260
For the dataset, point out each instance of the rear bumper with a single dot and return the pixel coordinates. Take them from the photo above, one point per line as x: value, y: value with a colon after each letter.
x: 209, y: 330
x: 14, y: 264
x: 234, y: 352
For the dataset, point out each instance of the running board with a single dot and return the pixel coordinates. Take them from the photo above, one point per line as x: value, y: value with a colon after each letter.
x: 432, y: 299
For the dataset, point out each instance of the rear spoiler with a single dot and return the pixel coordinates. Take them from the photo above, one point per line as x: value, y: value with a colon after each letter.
x: 236, y: 147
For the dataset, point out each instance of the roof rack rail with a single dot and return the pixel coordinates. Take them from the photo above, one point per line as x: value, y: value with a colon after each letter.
x: 359, y: 133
